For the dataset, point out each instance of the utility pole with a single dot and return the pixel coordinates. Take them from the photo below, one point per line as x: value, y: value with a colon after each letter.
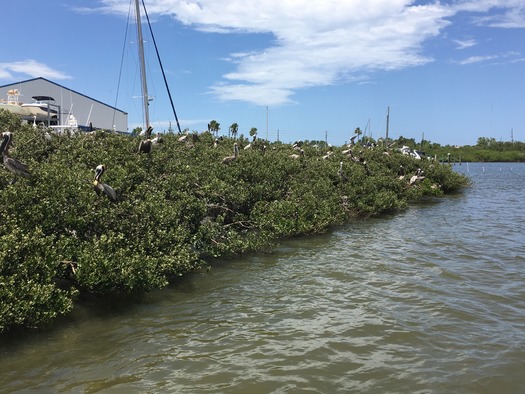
x: 266, y: 123
x: 387, y: 122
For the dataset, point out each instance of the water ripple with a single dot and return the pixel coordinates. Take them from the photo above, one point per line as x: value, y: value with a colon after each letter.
x: 430, y: 300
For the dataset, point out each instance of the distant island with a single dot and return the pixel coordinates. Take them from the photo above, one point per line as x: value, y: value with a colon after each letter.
x: 485, y: 150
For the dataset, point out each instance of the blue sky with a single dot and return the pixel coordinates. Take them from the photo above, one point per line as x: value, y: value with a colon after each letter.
x: 451, y: 71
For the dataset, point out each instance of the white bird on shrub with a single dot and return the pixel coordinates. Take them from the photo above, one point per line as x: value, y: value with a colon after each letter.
x: 251, y: 143
x: 341, y: 173
x: 15, y: 166
x: 418, y: 177
x: 297, y: 156
x: 103, y: 188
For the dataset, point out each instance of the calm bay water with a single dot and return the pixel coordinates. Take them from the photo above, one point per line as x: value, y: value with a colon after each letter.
x: 431, y: 300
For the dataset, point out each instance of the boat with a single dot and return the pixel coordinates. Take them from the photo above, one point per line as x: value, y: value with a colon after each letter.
x: 42, y: 108
x: 71, y: 125
x: 12, y: 105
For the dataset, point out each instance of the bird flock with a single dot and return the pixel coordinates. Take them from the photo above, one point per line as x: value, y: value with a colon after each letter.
x: 19, y: 169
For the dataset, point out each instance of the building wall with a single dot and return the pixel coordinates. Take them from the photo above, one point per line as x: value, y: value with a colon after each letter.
x: 84, y: 108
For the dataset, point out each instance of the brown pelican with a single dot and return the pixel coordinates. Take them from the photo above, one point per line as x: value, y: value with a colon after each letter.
x: 251, y: 143
x: 297, y: 145
x: 145, y: 146
x: 341, y: 173
x: 229, y: 159
x: 328, y: 154
x: 157, y: 140
x: 16, y: 167
x: 298, y: 156
x: 417, y: 177
x: 103, y: 188
x: 184, y: 137
x: 365, y: 165
x: 401, y: 172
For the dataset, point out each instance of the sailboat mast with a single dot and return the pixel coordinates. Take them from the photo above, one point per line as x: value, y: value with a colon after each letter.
x: 387, y: 123
x: 145, y: 97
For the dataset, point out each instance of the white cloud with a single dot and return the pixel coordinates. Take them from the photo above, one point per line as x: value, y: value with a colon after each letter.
x: 504, y: 13
x: 476, y: 59
x: 318, y: 42
x: 30, y: 68
x: 462, y: 44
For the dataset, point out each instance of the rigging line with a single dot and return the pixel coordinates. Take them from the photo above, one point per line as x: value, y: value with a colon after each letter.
x: 161, y: 67
x: 121, y: 65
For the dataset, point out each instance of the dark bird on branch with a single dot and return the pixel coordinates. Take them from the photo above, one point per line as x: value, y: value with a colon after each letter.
x: 15, y: 166
x: 145, y: 145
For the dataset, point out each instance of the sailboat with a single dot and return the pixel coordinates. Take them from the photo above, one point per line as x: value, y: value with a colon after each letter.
x: 144, y: 85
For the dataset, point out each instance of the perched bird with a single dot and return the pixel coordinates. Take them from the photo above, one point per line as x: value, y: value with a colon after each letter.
x: 328, y: 154
x: 15, y: 166
x: 147, y: 133
x: 341, y: 173
x: 184, y: 137
x: 229, y: 159
x: 157, y: 140
x: 251, y: 143
x: 297, y: 145
x: 145, y: 145
x: 103, y: 188
x: 417, y: 177
x: 401, y: 172
x: 365, y: 165
x: 298, y: 156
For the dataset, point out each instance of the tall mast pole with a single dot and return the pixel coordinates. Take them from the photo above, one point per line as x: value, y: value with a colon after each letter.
x: 145, y: 97
x: 387, y: 123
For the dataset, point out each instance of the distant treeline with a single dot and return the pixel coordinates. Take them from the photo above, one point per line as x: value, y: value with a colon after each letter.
x: 485, y: 150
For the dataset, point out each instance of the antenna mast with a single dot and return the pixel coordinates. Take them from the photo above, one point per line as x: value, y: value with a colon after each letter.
x: 387, y: 123
x: 145, y: 97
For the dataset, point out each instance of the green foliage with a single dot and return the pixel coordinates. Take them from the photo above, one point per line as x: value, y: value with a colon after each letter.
x: 31, y: 266
x: 485, y: 150
x: 176, y: 207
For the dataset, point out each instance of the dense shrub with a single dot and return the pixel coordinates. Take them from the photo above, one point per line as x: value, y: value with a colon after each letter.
x: 176, y: 207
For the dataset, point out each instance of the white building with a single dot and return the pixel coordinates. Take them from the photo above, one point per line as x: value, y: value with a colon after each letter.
x: 65, y: 102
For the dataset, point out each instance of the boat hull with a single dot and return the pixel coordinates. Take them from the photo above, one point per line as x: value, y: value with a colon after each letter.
x: 16, y: 109
x: 40, y: 111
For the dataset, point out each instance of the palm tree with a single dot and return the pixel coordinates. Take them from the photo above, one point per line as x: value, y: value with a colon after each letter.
x: 253, y: 131
x: 234, y: 128
x: 358, y: 132
x: 214, y: 127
